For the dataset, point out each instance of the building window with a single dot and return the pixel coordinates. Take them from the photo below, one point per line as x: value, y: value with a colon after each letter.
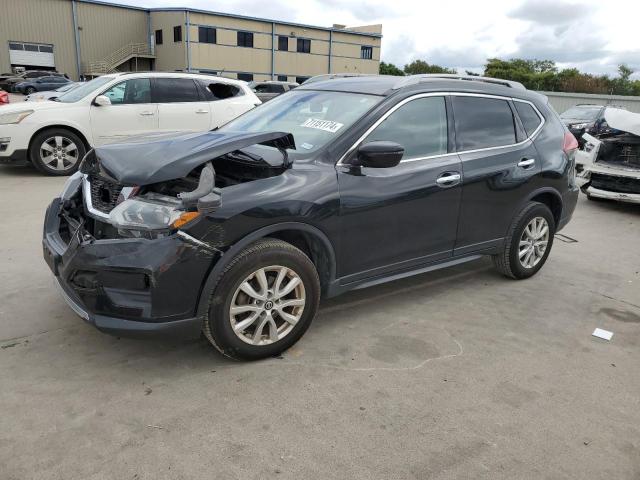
x: 31, y: 48
x: 158, y: 37
x: 304, y: 45
x: 301, y: 80
x: 283, y: 43
x: 16, y: 46
x: 366, y: 53
x: 206, y: 35
x: 245, y: 39
x: 282, y: 78
x: 177, y: 33
x: 46, y: 48
x: 247, y: 77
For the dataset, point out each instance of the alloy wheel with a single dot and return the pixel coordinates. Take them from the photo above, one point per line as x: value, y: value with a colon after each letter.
x: 267, y: 305
x: 533, y: 242
x: 59, y: 153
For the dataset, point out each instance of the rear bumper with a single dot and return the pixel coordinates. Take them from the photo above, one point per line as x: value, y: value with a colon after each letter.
x: 569, y: 202
x: 127, y: 286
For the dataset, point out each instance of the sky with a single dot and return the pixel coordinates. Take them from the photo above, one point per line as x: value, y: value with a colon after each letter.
x: 462, y: 34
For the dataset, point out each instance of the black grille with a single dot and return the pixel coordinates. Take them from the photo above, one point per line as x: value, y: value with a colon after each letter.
x: 611, y: 183
x: 104, y: 194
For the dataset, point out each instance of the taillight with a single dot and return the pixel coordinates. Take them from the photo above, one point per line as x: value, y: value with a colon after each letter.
x: 570, y: 143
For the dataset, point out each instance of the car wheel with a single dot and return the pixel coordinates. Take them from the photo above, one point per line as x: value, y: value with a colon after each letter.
x: 29, y: 90
x: 264, y: 301
x: 528, y: 242
x: 57, y: 151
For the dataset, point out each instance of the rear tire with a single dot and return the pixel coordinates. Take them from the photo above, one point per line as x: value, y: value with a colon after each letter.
x: 29, y: 90
x: 531, y: 230
x: 56, y: 151
x: 265, y: 321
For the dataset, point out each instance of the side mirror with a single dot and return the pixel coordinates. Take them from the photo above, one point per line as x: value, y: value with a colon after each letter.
x: 101, y: 101
x: 379, y: 154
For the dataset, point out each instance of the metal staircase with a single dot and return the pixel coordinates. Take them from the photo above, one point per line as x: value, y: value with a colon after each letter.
x: 110, y: 63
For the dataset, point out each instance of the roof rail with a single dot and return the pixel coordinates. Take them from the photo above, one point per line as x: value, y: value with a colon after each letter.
x: 414, y: 79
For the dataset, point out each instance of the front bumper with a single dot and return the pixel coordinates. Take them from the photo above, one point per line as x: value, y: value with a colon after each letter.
x: 611, y: 183
x: 618, y: 196
x: 17, y: 157
x: 127, y: 286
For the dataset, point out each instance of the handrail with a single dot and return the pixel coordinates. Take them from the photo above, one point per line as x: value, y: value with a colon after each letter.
x: 110, y: 62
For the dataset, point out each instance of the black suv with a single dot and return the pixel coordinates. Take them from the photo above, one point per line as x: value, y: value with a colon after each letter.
x: 342, y: 184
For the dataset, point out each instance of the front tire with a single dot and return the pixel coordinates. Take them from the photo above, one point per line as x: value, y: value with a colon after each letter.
x: 29, y: 90
x: 264, y: 301
x: 57, y: 151
x: 528, y: 242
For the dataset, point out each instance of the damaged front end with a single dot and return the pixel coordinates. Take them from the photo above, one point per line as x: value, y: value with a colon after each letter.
x: 608, y: 167
x: 130, y: 228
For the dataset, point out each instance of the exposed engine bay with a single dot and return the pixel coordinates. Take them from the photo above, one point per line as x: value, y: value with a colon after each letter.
x: 123, y: 191
x: 608, y: 166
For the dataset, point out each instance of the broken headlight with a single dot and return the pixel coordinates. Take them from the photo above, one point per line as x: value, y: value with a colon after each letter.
x: 149, y: 215
x: 580, y: 126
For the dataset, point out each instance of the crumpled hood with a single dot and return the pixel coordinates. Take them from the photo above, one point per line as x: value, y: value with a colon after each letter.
x: 623, y: 120
x: 152, y: 160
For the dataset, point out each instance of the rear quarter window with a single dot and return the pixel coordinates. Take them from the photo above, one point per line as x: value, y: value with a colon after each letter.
x: 528, y: 116
x: 483, y: 122
x: 212, y: 91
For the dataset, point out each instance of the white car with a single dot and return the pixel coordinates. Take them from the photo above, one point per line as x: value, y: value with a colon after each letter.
x: 54, y: 136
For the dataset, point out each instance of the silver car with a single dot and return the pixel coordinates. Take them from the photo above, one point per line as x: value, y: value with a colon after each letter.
x: 50, y: 94
x: 270, y: 89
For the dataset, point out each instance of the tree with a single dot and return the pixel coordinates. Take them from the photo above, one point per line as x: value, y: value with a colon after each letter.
x: 390, y: 69
x: 420, y: 66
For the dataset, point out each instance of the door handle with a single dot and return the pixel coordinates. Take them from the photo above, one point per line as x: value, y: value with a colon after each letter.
x: 526, y: 162
x: 202, y: 111
x: 146, y: 114
x: 448, y: 179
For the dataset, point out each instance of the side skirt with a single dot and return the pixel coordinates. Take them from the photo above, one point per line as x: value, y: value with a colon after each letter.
x: 336, y: 289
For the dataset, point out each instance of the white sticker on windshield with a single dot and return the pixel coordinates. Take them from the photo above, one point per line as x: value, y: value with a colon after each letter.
x: 307, y: 146
x: 326, y: 125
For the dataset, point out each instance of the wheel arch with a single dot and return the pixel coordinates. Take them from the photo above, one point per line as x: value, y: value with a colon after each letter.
x: 551, y: 198
x: 308, y: 238
x: 71, y: 128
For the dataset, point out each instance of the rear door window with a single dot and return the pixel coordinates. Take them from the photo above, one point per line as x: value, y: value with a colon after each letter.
x: 175, y: 90
x: 483, y: 122
x: 420, y: 126
x: 528, y: 116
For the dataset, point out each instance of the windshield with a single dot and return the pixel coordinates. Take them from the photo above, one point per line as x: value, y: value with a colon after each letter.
x: 83, y: 90
x: 588, y: 114
x: 315, y: 118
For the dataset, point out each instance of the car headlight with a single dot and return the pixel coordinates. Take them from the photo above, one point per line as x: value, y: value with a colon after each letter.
x: 579, y: 126
x: 149, y: 215
x: 14, y: 117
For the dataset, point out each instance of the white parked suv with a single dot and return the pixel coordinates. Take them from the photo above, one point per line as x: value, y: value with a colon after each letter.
x: 54, y: 136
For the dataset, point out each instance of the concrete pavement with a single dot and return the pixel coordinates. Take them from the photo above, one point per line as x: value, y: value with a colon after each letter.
x: 454, y: 374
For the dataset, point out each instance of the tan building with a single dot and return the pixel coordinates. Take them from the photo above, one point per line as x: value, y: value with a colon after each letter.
x: 89, y: 38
